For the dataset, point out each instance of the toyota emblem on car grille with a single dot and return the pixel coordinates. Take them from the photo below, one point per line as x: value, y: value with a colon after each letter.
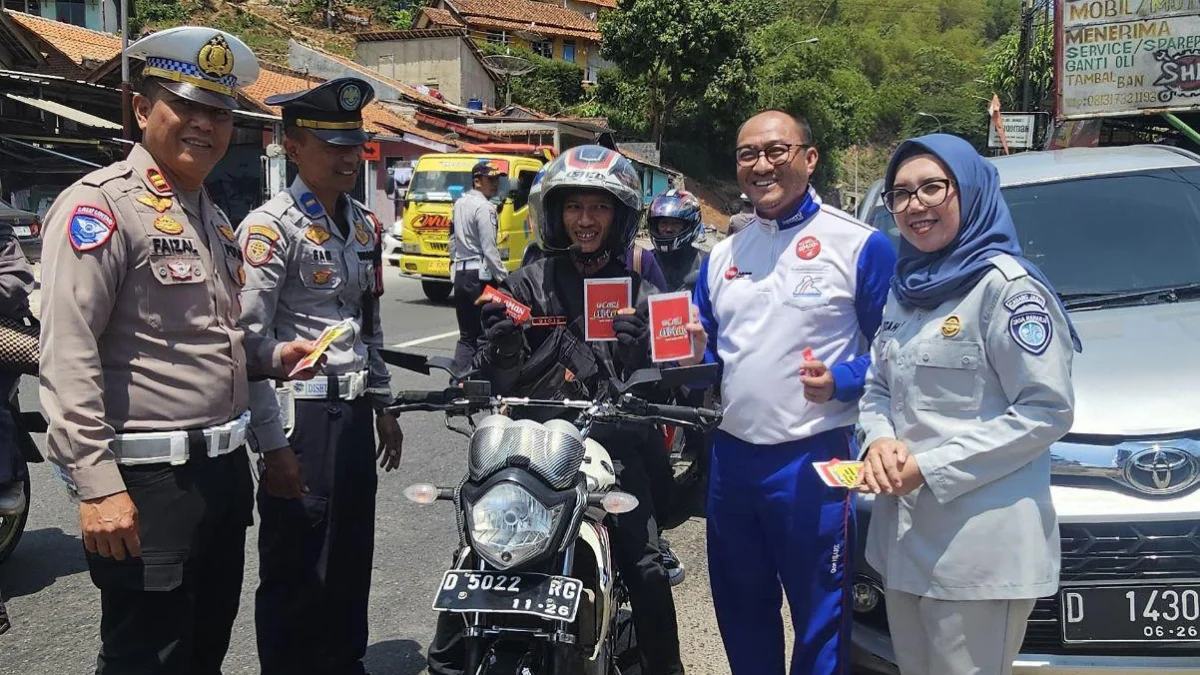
x: 1162, y: 470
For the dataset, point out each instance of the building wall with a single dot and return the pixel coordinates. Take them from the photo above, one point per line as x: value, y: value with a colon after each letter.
x: 384, y: 207
x: 587, y: 53
x: 415, y: 62
x: 477, y: 81
x: 98, y: 15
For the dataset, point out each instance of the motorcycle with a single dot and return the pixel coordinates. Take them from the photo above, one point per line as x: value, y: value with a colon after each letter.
x: 533, y: 577
x: 12, y: 527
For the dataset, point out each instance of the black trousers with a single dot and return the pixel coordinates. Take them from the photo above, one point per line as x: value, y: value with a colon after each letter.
x: 315, y: 552
x: 171, y: 611
x: 467, y: 288
x: 636, y: 550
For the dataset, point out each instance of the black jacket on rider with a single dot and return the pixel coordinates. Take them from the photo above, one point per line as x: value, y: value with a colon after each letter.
x: 549, y: 358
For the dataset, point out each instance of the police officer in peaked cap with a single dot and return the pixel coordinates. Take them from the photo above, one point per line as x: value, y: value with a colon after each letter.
x: 314, y: 263
x: 144, y: 366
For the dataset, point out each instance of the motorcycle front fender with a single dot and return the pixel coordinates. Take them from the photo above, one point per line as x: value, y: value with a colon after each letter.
x: 595, y: 536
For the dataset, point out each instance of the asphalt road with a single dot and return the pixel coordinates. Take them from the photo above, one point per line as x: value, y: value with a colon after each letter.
x: 55, y: 609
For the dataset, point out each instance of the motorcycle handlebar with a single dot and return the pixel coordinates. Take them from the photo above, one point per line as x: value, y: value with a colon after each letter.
x: 702, y: 417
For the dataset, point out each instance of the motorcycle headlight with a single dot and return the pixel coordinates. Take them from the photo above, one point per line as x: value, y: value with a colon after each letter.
x: 508, y: 525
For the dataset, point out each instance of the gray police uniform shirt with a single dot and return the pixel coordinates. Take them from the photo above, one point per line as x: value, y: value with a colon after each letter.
x: 303, y: 276
x: 475, y: 224
x: 978, y: 389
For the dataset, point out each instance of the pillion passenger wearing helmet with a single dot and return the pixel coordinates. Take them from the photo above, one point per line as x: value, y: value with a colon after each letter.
x: 587, y: 207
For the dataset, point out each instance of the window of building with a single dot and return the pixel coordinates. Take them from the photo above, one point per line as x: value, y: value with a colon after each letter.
x: 71, y: 11
x: 544, y: 48
x: 497, y: 37
x: 569, y: 51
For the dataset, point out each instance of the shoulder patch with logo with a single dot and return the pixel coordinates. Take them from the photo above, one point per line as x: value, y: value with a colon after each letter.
x: 90, y: 227
x: 1031, y: 330
x: 260, y: 245
x: 158, y: 182
x: 317, y: 234
x: 160, y: 204
x: 168, y: 225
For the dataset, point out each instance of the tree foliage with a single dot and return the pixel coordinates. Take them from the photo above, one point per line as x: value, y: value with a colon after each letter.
x: 552, y: 87
x: 686, y: 50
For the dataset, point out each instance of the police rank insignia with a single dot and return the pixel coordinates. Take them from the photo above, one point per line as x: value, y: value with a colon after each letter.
x: 158, y: 182
x: 168, y: 225
x: 260, y: 245
x: 317, y: 234
x: 241, y: 276
x: 90, y: 227
x: 227, y: 232
x: 951, y: 326
x: 350, y: 97
x: 361, y: 234
x: 322, y: 277
x: 160, y: 204
x: 215, y: 59
x: 310, y: 204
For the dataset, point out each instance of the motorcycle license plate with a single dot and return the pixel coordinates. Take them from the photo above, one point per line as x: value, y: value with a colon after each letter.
x: 549, y: 597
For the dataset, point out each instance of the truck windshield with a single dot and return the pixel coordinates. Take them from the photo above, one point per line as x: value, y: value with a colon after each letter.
x: 446, y: 186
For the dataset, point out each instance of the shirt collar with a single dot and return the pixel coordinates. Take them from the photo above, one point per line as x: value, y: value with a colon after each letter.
x: 804, y: 211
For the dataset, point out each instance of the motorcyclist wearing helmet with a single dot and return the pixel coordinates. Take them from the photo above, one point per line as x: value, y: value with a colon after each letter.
x: 674, y: 225
x: 587, y: 208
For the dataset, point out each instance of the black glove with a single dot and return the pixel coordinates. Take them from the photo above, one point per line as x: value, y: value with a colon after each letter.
x: 633, y: 338
x: 499, y: 329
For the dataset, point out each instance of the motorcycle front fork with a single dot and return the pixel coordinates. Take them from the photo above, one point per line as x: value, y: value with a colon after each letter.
x: 561, y: 640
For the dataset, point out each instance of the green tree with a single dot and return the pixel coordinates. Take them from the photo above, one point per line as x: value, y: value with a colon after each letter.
x: 686, y: 50
x: 1002, y: 71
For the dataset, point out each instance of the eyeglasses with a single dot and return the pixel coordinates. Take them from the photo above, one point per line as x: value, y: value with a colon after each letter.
x: 776, y: 153
x: 930, y: 194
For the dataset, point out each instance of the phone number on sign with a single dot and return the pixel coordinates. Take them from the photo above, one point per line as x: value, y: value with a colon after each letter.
x: 1113, y: 99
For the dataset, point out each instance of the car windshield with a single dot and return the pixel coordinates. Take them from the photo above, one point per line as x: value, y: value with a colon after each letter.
x: 446, y: 186
x: 1103, y: 235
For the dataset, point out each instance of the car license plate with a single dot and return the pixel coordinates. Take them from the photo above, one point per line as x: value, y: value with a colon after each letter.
x: 439, y: 266
x: 22, y: 230
x: 541, y: 595
x: 1167, y: 613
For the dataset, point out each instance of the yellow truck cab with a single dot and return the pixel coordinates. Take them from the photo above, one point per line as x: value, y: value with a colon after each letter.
x: 438, y: 180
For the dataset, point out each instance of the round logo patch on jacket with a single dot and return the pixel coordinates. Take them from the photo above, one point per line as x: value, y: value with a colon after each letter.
x: 1031, y: 330
x: 90, y: 227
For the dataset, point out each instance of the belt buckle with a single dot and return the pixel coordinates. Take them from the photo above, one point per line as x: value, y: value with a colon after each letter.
x: 218, y: 440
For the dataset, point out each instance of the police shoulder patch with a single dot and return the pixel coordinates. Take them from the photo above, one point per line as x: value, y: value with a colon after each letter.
x: 259, y: 247
x: 1031, y: 330
x: 90, y: 227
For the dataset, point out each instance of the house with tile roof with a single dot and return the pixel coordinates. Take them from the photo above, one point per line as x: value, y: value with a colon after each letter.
x: 60, y: 49
x: 546, y: 28
x: 443, y: 59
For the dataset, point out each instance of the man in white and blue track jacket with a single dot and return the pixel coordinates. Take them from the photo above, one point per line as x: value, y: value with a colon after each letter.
x: 801, y: 276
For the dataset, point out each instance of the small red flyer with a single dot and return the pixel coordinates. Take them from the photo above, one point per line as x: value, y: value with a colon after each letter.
x: 602, y: 298
x: 670, y: 314
x: 515, y: 310
x: 808, y: 356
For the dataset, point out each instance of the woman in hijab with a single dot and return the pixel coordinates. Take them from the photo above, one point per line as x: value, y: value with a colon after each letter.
x: 970, y: 383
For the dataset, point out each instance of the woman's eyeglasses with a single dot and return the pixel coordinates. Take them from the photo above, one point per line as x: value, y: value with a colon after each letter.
x: 776, y: 153
x: 930, y: 194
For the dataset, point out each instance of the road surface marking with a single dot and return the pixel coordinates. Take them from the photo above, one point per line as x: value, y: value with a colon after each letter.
x: 421, y: 341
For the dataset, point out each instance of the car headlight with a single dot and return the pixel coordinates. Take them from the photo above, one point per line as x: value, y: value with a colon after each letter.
x: 509, y: 526
x: 410, y: 247
x: 398, y: 229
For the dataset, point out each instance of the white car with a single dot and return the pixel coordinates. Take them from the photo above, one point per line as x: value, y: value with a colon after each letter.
x: 1117, y: 231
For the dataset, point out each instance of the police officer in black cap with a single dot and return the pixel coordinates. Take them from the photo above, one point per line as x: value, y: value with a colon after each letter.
x: 313, y: 264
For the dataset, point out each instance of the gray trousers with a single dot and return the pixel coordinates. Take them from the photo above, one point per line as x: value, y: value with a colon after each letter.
x: 956, y: 637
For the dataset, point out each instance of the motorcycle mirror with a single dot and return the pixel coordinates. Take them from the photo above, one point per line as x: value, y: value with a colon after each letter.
x: 418, y: 363
x: 683, y: 376
x: 421, y: 493
x: 618, y: 502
